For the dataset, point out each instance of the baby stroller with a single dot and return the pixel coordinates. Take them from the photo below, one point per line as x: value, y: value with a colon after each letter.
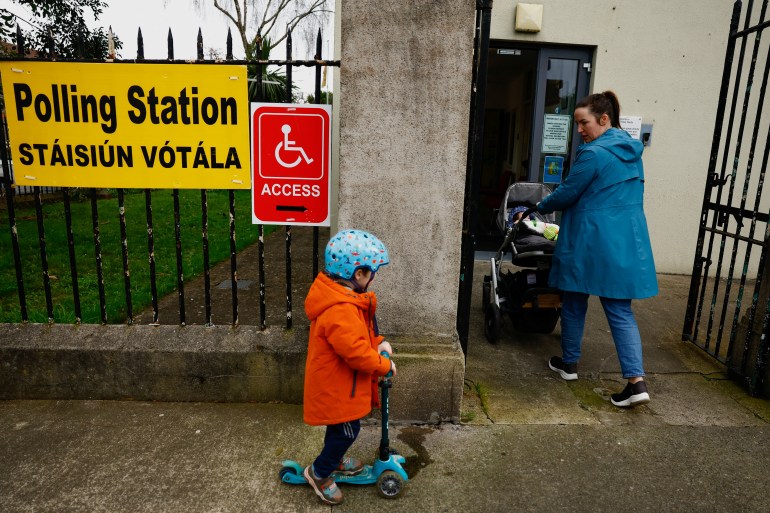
x: 524, y: 296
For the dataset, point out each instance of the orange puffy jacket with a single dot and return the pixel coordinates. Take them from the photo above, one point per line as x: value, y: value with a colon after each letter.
x: 342, y: 360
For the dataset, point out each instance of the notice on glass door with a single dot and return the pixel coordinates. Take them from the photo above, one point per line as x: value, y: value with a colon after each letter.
x: 553, y: 168
x: 556, y: 133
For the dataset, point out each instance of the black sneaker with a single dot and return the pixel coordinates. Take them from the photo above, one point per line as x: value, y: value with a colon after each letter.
x: 633, y: 395
x: 567, y: 371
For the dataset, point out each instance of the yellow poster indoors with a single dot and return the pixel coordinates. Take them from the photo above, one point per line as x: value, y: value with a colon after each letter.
x: 128, y: 125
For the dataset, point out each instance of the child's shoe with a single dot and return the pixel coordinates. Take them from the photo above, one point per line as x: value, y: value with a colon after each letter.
x: 349, y: 467
x: 326, y: 489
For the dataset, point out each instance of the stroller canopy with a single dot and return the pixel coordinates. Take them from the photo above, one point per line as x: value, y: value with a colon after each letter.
x: 526, y: 194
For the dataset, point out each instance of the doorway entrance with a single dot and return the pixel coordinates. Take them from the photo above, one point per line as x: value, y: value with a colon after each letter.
x: 528, y: 131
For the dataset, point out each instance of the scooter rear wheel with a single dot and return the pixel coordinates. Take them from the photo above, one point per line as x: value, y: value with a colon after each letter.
x: 287, y: 470
x: 390, y: 484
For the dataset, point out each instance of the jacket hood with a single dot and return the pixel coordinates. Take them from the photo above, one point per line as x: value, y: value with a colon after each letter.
x: 325, y: 292
x: 620, y: 144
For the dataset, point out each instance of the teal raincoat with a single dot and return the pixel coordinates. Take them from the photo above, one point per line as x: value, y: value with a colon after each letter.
x: 603, y: 247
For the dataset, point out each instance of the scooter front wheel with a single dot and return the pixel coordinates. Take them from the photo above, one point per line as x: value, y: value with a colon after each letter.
x: 390, y: 484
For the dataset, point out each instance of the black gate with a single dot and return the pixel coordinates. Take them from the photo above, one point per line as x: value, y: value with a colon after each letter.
x: 473, y: 167
x: 728, y: 312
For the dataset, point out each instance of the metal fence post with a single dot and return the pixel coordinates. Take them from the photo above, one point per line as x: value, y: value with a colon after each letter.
x: 473, y: 172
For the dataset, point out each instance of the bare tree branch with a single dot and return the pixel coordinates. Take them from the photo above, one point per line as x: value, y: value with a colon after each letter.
x: 238, y: 21
x: 277, y: 12
x: 266, y: 17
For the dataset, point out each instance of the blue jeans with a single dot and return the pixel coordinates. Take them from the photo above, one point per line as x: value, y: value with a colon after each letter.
x: 620, y: 317
x: 338, y: 439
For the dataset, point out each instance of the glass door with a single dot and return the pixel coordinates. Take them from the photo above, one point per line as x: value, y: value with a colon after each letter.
x: 562, y: 80
x: 529, y: 134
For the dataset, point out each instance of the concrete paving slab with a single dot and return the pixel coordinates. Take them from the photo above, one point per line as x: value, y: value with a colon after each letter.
x: 696, y: 400
x: 660, y: 322
x: 97, y: 456
x: 541, y: 401
x: 132, y: 457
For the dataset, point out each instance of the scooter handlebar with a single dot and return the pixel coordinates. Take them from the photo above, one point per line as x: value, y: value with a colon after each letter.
x: 386, y: 355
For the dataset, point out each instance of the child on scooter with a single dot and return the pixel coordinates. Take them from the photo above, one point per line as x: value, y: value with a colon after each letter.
x: 343, y: 358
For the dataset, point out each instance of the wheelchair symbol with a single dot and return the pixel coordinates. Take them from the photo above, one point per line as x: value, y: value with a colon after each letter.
x: 288, y: 145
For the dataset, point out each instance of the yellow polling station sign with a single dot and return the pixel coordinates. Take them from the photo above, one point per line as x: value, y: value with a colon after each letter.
x: 128, y: 125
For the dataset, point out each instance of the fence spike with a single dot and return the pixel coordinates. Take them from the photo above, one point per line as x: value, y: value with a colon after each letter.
x: 288, y: 67
x: 110, y: 44
x: 318, y: 52
x: 229, y: 45
x: 259, y: 66
x: 200, y: 44
x: 79, y: 46
x: 51, y: 46
x: 139, y: 45
x: 19, y: 41
x: 170, y: 45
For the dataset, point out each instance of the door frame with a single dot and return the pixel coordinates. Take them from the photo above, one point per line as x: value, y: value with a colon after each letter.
x: 478, y: 88
x: 482, y: 44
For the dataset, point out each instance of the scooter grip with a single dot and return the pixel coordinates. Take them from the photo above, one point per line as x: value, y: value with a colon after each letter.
x: 386, y: 355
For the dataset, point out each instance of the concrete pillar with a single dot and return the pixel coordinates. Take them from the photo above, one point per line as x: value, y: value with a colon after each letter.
x: 404, y: 101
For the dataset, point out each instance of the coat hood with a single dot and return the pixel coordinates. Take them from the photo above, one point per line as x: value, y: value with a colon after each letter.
x: 325, y: 292
x: 621, y: 144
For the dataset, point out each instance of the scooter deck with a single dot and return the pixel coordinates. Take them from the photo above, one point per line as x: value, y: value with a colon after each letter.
x: 291, y: 472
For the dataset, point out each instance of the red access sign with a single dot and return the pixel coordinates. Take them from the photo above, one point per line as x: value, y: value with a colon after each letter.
x: 291, y: 158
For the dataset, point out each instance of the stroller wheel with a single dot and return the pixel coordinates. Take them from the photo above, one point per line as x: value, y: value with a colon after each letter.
x: 492, y: 323
x: 549, y: 321
x: 486, y: 294
x: 543, y: 321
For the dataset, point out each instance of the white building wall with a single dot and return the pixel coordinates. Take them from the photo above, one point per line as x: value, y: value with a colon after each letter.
x: 664, y: 60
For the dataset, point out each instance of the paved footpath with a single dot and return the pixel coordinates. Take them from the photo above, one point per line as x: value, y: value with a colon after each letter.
x: 133, y: 457
x: 529, y: 441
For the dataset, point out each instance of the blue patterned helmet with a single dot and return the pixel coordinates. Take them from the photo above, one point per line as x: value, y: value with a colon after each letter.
x: 352, y: 249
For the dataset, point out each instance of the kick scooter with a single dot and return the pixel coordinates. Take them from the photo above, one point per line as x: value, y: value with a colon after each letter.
x: 387, y: 471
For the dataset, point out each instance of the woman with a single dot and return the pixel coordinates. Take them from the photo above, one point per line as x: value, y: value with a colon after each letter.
x: 603, y: 247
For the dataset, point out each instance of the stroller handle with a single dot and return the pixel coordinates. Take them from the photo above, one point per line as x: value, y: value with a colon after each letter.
x: 529, y: 212
x: 511, y: 233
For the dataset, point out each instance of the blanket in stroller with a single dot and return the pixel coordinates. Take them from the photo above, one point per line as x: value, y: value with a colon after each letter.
x: 532, y: 224
x: 534, y: 233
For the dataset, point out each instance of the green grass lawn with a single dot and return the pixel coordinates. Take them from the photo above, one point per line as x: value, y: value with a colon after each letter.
x: 112, y: 260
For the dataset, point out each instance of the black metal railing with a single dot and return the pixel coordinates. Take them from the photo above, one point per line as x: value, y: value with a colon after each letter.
x: 473, y: 167
x: 734, y: 217
x: 13, y: 194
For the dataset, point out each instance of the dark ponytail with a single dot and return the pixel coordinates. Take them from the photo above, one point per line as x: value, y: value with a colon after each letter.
x: 600, y: 104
